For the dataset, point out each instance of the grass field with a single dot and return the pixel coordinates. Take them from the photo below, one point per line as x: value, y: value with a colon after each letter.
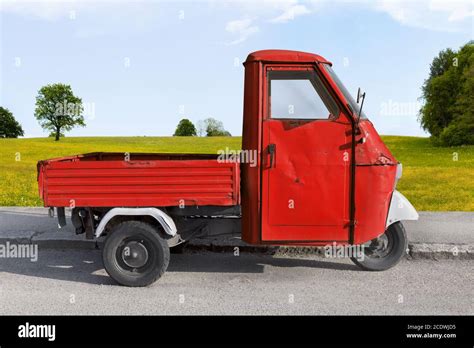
x: 439, y: 179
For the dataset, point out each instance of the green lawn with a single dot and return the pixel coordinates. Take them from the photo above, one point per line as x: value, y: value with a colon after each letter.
x: 434, y: 178
x: 431, y: 180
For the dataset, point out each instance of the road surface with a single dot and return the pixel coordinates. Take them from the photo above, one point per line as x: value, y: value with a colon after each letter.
x: 74, y: 282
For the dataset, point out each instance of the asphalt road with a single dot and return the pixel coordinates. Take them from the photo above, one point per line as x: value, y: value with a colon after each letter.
x: 74, y: 282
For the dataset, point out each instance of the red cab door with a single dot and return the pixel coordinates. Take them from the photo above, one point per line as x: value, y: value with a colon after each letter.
x: 306, y: 159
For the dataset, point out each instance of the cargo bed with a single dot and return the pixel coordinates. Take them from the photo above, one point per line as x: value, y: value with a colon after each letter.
x: 144, y: 180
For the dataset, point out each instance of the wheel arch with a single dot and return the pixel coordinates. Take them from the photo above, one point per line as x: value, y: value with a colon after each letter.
x: 155, y: 215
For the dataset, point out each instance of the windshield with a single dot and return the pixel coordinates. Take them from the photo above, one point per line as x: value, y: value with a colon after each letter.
x: 355, y: 107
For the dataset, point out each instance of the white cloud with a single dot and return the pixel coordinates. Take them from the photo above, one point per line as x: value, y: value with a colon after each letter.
x: 291, y: 13
x: 243, y: 28
x: 457, y: 10
x: 280, y: 11
x: 94, y: 17
x: 432, y: 15
x: 269, y: 10
x: 440, y: 15
x: 238, y: 25
x: 47, y: 10
x: 52, y: 10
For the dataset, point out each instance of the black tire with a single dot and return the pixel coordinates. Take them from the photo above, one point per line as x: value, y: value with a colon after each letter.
x: 396, y: 246
x: 135, y: 254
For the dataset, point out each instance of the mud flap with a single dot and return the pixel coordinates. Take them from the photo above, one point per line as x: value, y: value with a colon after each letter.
x: 61, y: 217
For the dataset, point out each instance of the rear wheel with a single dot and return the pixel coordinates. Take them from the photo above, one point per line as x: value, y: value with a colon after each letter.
x: 385, y: 251
x: 135, y: 254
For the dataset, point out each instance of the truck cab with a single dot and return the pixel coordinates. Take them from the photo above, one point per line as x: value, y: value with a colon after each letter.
x: 324, y: 173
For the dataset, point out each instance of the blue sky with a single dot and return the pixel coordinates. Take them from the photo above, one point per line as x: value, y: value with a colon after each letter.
x: 141, y: 66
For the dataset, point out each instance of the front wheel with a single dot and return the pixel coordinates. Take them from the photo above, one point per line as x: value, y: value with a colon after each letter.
x: 385, y: 251
x: 135, y: 254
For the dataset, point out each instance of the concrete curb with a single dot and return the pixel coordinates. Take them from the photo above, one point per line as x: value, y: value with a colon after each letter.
x: 438, y: 251
x: 416, y: 251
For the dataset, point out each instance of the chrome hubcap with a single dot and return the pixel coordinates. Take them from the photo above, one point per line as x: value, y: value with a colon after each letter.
x: 134, y: 254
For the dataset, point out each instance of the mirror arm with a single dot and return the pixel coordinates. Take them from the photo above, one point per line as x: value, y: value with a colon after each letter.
x: 361, y: 105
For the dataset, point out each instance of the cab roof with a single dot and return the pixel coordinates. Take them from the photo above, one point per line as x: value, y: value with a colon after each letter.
x: 284, y: 56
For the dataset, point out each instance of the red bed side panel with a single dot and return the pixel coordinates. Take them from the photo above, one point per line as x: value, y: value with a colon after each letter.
x: 141, y: 183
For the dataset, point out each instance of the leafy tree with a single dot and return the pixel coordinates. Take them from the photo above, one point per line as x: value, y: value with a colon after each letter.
x: 201, y: 128
x: 9, y: 127
x: 185, y: 128
x: 442, y: 63
x: 58, y: 109
x: 448, y: 112
x: 214, y: 128
x: 53, y: 135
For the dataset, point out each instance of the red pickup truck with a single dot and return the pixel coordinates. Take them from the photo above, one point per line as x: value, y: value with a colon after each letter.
x: 321, y: 176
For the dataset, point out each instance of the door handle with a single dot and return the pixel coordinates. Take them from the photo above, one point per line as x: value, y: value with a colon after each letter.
x: 271, y: 152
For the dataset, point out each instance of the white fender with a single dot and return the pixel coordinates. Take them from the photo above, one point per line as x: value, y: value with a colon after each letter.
x: 400, y: 209
x: 165, y: 221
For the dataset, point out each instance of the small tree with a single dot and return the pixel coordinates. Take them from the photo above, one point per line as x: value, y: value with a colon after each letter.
x: 9, y: 127
x: 214, y: 128
x: 58, y: 109
x: 185, y: 128
x: 201, y: 128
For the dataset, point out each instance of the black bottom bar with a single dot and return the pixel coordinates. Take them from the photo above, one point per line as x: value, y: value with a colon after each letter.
x: 243, y: 330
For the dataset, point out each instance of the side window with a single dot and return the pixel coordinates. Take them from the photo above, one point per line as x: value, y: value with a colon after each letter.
x: 299, y: 95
